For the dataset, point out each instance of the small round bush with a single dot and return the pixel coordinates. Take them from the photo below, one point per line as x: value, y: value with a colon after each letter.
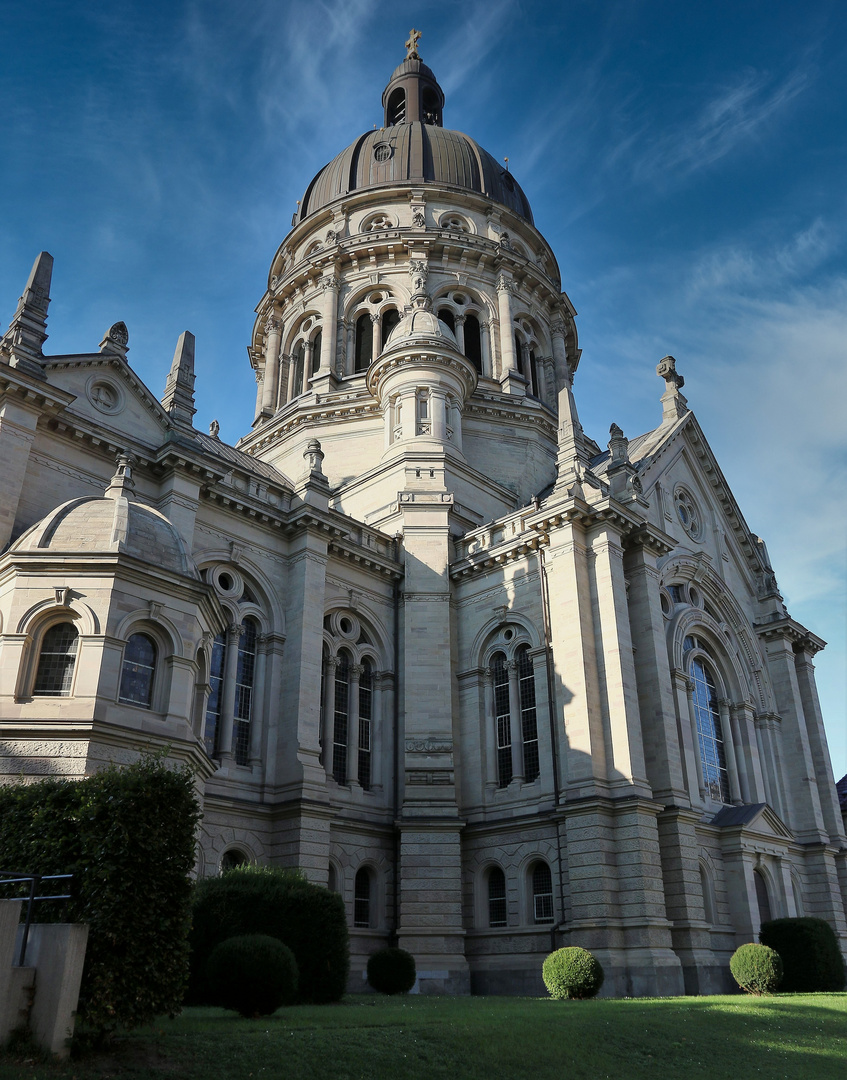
x: 253, y: 974
x: 756, y: 968
x: 391, y: 971
x: 572, y: 973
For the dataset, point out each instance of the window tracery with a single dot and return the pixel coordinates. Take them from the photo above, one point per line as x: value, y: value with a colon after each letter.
x: 704, y: 696
x: 138, y: 671
x: 56, y: 661
x: 513, y: 710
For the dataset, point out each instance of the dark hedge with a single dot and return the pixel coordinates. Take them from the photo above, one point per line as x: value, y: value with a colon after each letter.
x: 392, y: 971
x: 254, y: 975
x: 811, y: 957
x: 128, y: 837
x: 310, y: 920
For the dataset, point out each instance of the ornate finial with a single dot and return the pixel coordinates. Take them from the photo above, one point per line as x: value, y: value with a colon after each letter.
x: 674, y: 405
x: 666, y: 369
x: 122, y: 483
x: 314, y: 457
x: 214, y: 428
x: 28, y: 329
x: 615, y: 431
x: 116, y: 340
x: 178, y: 397
x: 412, y: 45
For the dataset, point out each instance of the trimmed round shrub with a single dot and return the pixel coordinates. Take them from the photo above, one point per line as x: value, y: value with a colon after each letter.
x: 811, y: 957
x: 308, y: 919
x: 756, y: 968
x: 253, y: 974
x: 572, y: 973
x: 392, y: 971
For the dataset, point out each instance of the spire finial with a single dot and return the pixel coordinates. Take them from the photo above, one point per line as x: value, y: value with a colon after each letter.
x: 28, y: 329
x: 178, y: 397
x: 122, y: 484
x: 412, y: 45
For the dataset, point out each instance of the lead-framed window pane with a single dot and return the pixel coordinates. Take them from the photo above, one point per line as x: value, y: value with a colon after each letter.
x: 496, y: 897
x: 709, y: 733
x: 500, y: 677
x: 137, y: 671
x: 529, y: 723
x: 55, y: 672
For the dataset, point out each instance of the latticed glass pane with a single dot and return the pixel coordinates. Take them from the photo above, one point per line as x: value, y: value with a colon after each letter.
x: 341, y: 719
x: 217, y: 666
x: 137, y: 671
x: 542, y: 893
x: 362, y: 899
x: 529, y: 725
x: 500, y: 674
x: 56, y: 661
x: 244, y: 680
x: 365, y: 719
x: 496, y: 898
x: 709, y: 734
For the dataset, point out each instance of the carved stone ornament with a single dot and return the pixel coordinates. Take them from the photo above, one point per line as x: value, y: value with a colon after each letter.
x: 418, y: 219
x: 119, y: 334
x: 429, y: 745
x: 666, y: 369
x: 215, y: 427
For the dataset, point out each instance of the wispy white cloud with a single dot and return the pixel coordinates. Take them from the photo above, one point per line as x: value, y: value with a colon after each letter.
x: 731, y: 117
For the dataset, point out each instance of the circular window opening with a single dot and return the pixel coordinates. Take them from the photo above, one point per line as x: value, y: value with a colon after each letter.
x: 666, y: 605
x: 688, y: 512
x: 459, y: 299
x: 693, y: 596
x: 382, y: 152
x: 508, y: 634
x: 225, y: 582
x: 346, y: 626
x: 376, y: 298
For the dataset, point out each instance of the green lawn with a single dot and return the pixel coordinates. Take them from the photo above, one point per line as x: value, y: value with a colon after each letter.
x: 424, y: 1038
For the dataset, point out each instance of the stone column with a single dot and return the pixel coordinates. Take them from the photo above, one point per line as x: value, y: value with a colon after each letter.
x: 408, y: 413
x: 457, y: 425
x: 515, y: 722
x: 377, y: 336
x: 377, y: 735
x: 509, y: 365
x: 308, y: 346
x: 331, y: 285
x: 460, y: 333
x: 227, y: 717
x: 350, y: 358
x: 729, y: 751
x: 328, y: 719
x: 258, y: 709
x: 695, y: 738
x: 438, y: 413
x: 270, y: 388
x: 805, y: 669
x: 807, y: 819
x: 744, y: 729
x: 284, y: 379
x: 560, y: 353
x: 485, y: 341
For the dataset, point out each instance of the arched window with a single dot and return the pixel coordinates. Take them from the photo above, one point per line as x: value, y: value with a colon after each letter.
x: 297, y: 371
x: 365, y: 718
x: 364, y: 342
x: 341, y: 718
x: 708, y: 894
x: 56, y: 661
x: 137, y: 671
x: 500, y: 674
x: 529, y: 726
x: 231, y: 858
x: 244, y: 681
x: 362, y: 898
x: 496, y: 897
x: 396, y: 110
x: 532, y: 374
x: 430, y: 106
x: 213, y: 705
x: 542, y: 893
x: 317, y: 345
x: 763, y: 899
x: 332, y: 879
x: 473, y: 342
x: 709, y: 734
x: 390, y: 319
x: 519, y: 355
x: 448, y: 318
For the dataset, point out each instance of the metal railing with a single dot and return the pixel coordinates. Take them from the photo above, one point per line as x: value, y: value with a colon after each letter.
x: 7, y: 878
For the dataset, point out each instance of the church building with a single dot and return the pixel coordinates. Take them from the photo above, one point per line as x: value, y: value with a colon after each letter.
x: 500, y: 685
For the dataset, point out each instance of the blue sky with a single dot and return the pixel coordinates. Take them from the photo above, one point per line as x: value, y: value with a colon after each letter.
x: 686, y: 161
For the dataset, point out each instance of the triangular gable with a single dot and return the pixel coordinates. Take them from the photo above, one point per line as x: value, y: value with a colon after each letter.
x: 756, y: 818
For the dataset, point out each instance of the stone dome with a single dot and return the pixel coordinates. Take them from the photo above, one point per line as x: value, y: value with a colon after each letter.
x: 416, y: 153
x: 110, y: 525
x: 421, y: 327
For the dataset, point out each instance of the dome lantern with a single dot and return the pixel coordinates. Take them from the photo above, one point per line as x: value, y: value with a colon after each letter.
x: 413, y: 94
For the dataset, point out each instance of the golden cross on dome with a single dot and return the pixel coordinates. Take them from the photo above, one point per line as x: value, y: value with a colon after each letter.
x: 412, y: 45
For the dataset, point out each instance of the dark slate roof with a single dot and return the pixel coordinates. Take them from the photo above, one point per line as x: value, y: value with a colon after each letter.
x: 737, y: 815
x: 841, y: 788
x: 239, y: 460
x: 422, y: 153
